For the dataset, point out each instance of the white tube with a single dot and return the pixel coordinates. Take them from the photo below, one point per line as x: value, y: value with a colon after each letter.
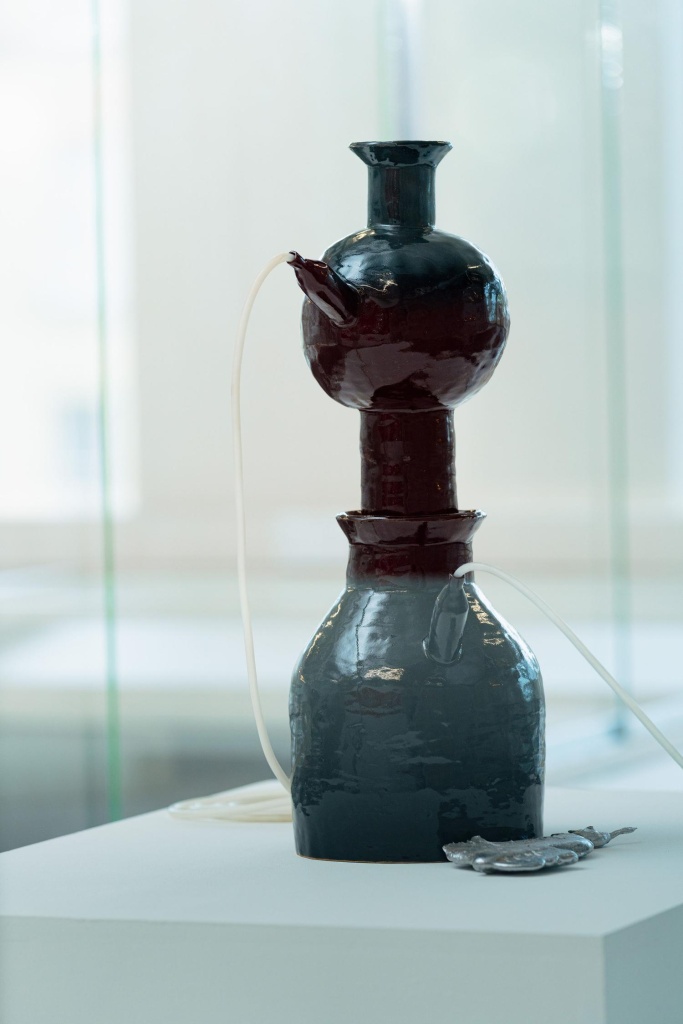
x: 275, y: 766
x: 623, y: 695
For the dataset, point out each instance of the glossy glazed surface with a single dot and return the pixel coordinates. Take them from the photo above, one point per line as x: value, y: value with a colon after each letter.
x: 417, y: 714
x: 408, y: 462
x: 394, y: 754
x: 400, y: 742
x: 427, y: 312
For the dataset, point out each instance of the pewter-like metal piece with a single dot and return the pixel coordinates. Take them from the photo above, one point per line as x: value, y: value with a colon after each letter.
x: 599, y: 839
x: 558, y: 850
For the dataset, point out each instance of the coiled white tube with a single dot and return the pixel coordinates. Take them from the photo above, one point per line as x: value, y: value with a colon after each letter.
x: 270, y: 800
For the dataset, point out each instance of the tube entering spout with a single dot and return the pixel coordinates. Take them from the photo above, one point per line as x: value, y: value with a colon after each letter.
x: 337, y: 299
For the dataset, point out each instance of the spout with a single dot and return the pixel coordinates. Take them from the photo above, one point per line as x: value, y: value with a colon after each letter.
x: 338, y: 300
x: 448, y: 623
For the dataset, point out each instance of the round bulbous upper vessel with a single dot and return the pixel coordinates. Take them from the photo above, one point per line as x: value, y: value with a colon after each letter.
x: 425, y: 315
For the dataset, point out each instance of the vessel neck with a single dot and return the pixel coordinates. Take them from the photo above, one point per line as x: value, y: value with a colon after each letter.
x: 408, y: 462
x: 401, y: 197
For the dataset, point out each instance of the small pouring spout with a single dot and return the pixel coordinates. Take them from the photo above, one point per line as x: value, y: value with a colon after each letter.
x: 334, y: 297
x: 448, y: 623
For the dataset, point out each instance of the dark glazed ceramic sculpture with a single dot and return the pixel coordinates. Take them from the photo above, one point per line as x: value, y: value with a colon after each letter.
x: 417, y: 714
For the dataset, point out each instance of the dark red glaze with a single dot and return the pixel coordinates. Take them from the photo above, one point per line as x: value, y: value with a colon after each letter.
x: 408, y: 462
x: 333, y: 297
x: 419, y: 341
x: 386, y: 550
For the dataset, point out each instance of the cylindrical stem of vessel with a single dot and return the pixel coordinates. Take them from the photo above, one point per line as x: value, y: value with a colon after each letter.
x: 407, y: 462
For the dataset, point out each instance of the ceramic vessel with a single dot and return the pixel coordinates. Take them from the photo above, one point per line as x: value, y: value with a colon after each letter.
x: 417, y: 713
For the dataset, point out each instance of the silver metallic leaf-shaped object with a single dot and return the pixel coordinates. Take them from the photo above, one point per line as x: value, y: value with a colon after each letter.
x: 559, y: 850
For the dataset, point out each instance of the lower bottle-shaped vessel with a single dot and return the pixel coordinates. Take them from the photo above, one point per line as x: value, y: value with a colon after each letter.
x: 417, y: 713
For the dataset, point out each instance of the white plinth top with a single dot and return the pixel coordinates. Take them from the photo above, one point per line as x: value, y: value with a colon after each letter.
x: 157, y: 869
x: 159, y: 921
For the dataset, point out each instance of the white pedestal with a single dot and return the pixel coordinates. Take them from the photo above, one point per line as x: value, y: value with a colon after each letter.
x: 158, y: 921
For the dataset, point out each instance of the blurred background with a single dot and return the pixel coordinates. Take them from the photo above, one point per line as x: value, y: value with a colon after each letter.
x: 152, y: 157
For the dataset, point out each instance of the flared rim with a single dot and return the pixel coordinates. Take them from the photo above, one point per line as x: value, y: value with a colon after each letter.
x: 439, y: 528
x: 401, y: 152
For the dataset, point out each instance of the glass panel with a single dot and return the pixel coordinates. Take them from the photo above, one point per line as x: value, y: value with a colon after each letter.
x: 56, y: 681
x: 564, y: 176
